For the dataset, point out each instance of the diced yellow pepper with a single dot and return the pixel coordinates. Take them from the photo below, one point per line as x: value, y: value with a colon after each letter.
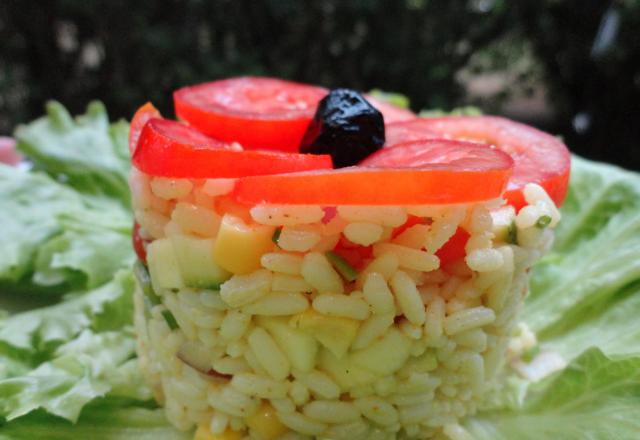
x: 265, y: 423
x: 203, y: 433
x: 239, y: 246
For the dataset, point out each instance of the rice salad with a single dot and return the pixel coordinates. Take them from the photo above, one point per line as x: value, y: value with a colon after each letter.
x: 251, y: 325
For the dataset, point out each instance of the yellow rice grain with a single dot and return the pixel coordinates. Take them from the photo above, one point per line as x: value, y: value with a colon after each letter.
x: 342, y: 306
x: 167, y: 189
x: 240, y: 290
x: 268, y: 354
x: 318, y: 272
x: 278, y: 304
x: 297, y: 239
x: 331, y: 411
x: 259, y: 386
x: 408, y: 298
x: 218, y: 187
x: 409, y: 258
x: 281, y: 262
x: 196, y: 219
x: 468, y: 319
x: 363, y: 233
x: 286, y: 215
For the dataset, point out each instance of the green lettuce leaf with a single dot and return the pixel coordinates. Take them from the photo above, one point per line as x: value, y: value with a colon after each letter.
x: 38, y: 332
x: 595, y: 397
x: 87, y: 153
x: 596, y: 254
x: 103, y: 420
x: 54, y: 236
x: 78, y: 350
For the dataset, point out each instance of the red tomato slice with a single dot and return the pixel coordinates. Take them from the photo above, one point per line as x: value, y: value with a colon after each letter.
x: 391, y: 113
x: 264, y: 113
x: 405, y: 131
x: 140, y: 118
x: 421, y: 172
x: 539, y: 157
x: 170, y: 149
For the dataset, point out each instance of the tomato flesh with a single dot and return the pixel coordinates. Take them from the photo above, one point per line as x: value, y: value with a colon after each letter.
x: 170, y: 149
x: 454, y: 249
x: 139, y: 245
x: 539, y: 157
x: 421, y: 172
x: 257, y: 112
x: 405, y: 131
x: 140, y: 118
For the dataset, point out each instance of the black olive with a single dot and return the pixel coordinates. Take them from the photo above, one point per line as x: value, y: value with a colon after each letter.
x: 346, y: 126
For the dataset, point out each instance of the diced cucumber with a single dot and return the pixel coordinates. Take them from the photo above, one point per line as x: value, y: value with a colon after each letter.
x: 196, y: 262
x: 300, y: 347
x: 163, y: 265
x: 386, y: 355
x: 342, y: 266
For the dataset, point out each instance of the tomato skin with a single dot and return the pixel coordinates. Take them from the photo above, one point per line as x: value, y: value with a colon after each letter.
x: 421, y: 172
x: 539, y: 157
x: 140, y: 118
x: 139, y: 244
x: 257, y: 112
x: 170, y: 149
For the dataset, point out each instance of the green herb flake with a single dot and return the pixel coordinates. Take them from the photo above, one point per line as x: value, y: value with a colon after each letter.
x: 543, y: 222
x: 342, y: 266
x: 171, y: 320
x: 512, y: 233
x: 276, y: 235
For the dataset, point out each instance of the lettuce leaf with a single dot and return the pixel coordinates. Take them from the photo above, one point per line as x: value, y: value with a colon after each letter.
x: 103, y: 420
x: 595, y: 397
x: 584, y: 306
x: 596, y: 254
x: 78, y: 350
x: 87, y: 153
x: 73, y: 232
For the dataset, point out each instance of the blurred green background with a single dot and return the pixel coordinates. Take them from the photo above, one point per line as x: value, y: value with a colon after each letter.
x: 570, y: 67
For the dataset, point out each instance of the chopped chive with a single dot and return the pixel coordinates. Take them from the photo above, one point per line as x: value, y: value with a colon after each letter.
x: 346, y: 270
x: 276, y: 235
x: 142, y: 274
x: 512, y: 233
x: 543, y: 221
x: 171, y: 320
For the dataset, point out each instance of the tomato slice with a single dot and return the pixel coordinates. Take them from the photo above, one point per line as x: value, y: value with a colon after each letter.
x: 421, y: 172
x: 391, y: 113
x: 140, y: 118
x: 405, y: 131
x: 170, y: 149
x: 539, y: 157
x: 257, y: 112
